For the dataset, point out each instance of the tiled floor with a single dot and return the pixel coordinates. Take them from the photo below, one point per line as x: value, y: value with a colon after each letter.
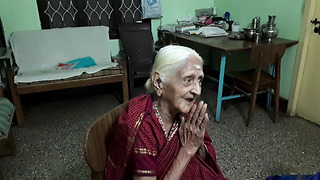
x: 50, y: 146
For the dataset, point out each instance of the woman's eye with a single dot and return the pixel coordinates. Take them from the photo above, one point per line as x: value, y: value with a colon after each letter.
x: 187, y: 80
x: 200, y: 81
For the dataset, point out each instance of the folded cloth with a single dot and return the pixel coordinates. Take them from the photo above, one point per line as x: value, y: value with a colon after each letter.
x: 209, y: 31
x: 82, y: 62
x: 6, y: 114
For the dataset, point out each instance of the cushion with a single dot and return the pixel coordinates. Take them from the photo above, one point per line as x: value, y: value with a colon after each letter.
x: 6, y: 113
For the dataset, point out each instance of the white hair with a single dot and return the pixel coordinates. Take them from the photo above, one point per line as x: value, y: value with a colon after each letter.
x: 166, y: 62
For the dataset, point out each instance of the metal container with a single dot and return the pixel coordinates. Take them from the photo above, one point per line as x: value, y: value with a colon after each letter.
x: 249, y: 32
x: 255, y: 23
x: 256, y: 37
x: 269, y: 30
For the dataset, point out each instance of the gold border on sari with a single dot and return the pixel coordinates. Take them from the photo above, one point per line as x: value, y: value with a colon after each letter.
x: 145, y: 151
x: 176, y: 127
x: 145, y: 172
x: 135, y: 130
x: 111, y: 162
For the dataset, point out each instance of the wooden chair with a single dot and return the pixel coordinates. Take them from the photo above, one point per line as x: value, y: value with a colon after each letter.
x: 169, y: 38
x: 258, y: 79
x: 96, y: 141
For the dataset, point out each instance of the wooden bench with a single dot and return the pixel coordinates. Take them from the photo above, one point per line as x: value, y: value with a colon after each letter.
x: 39, y: 51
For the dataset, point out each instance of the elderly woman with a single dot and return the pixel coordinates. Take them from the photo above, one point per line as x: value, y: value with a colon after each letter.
x: 162, y: 134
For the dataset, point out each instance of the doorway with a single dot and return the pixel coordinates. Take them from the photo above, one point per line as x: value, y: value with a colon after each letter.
x: 304, y: 99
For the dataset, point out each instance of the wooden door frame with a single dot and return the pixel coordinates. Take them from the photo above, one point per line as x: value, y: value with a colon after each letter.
x: 299, y: 67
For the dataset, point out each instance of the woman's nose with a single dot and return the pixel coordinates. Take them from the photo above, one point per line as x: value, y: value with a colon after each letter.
x: 196, y: 89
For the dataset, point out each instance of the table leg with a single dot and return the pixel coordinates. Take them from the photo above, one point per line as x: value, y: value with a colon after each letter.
x: 268, y: 105
x: 220, y: 87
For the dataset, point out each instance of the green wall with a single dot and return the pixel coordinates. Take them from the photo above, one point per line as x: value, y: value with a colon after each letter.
x: 288, y: 20
x: 20, y: 15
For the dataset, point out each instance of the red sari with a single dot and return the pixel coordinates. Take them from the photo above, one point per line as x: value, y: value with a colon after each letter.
x: 140, y: 147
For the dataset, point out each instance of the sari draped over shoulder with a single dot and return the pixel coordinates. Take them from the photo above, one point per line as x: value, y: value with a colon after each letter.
x: 140, y: 148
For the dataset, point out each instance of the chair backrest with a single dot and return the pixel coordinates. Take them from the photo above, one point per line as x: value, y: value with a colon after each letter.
x: 263, y: 54
x: 138, y: 45
x: 267, y: 53
x: 170, y: 39
x: 97, y: 139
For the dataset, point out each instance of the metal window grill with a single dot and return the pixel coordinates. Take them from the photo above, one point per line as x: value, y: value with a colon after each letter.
x: 66, y: 11
x: 89, y: 10
x: 51, y: 12
x: 61, y: 13
x: 76, y: 13
x: 132, y: 8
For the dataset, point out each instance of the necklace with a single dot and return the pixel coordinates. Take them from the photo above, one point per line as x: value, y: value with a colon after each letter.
x: 173, y: 126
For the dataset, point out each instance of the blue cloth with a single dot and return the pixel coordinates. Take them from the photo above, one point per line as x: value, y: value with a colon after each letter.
x: 83, y: 62
x: 295, y: 177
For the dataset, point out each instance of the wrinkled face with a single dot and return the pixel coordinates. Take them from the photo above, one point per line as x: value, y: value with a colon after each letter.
x: 184, y: 86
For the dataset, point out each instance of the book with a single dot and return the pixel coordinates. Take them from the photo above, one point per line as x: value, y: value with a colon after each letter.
x: 65, y: 66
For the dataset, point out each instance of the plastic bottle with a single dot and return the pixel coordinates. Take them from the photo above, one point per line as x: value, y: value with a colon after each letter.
x: 214, y: 11
x: 227, y: 16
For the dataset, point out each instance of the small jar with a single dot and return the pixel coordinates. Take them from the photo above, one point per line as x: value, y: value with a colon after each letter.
x: 235, y: 27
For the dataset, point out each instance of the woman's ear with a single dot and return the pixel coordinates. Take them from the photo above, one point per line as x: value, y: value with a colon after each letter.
x: 157, y: 83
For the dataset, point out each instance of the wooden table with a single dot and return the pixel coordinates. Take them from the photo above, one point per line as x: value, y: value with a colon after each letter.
x: 226, y: 46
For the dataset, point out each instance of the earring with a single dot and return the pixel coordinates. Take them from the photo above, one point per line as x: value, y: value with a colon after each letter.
x: 159, y: 93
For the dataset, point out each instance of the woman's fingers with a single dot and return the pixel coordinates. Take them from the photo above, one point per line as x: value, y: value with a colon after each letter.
x: 191, y: 114
x: 205, y: 121
x: 198, y: 119
x: 182, y: 130
x: 195, y: 116
x: 201, y: 116
x: 192, y: 129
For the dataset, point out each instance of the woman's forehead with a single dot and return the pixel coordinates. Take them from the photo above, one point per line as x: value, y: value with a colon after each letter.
x: 189, y: 67
x: 192, y: 62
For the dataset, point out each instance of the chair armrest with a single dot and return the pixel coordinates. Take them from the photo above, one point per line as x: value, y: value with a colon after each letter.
x: 118, y: 58
x: 13, y: 69
x: 8, y: 68
x: 123, y: 55
x: 121, y: 60
x: 11, y: 64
